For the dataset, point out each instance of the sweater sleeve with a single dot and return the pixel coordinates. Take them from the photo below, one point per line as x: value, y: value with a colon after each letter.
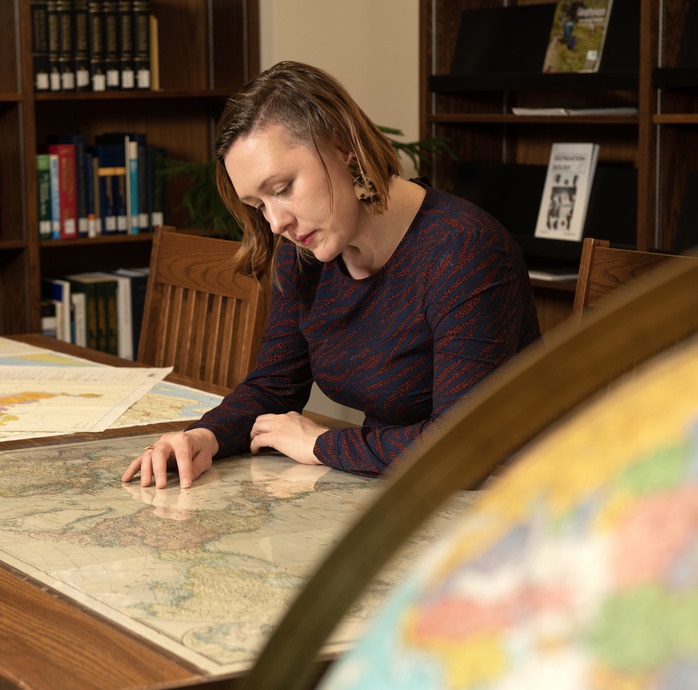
x: 281, y: 380
x: 479, y: 308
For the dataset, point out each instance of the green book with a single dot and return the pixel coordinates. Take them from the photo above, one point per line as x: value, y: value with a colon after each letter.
x: 43, y: 168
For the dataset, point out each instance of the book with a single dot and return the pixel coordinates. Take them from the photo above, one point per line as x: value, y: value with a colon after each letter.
x: 112, y: 67
x: 577, y: 36
x: 112, y: 185
x: 95, y: 45
x: 566, y: 192
x: 157, y: 189
x: 48, y: 318
x: 138, y: 281
x: 81, y: 52
x: 66, y: 44
x: 121, y: 327
x: 132, y: 186
x: 54, y: 72
x: 78, y: 142
x: 55, y: 186
x: 43, y: 172
x: 79, y: 319
x: 58, y: 290
x: 126, y: 47
x: 39, y: 20
x: 101, y: 308
x: 67, y: 191
x: 141, y: 43
x: 154, y: 53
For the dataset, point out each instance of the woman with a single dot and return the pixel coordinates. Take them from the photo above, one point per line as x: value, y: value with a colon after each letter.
x: 396, y: 298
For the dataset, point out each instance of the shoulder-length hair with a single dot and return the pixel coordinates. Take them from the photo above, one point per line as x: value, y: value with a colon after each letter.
x: 317, y: 111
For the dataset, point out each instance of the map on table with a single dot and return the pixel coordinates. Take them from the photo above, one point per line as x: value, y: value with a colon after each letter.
x: 48, y: 396
x: 204, y: 572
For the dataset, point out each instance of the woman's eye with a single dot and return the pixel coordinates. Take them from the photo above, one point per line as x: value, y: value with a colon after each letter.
x: 284, y: 190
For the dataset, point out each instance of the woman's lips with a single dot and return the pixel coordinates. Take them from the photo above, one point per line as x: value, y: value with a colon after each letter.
x: 306, y: 239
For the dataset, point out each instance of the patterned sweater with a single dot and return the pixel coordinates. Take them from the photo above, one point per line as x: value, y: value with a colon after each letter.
x: 403, y: 345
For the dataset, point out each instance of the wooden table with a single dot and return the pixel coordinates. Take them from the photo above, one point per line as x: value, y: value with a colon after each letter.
x: 47, y: 642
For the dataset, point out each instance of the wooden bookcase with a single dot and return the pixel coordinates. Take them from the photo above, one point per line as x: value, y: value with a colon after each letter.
x: 207, y: 49
x: 657, y: 148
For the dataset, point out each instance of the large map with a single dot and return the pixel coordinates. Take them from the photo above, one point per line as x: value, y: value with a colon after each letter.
x: 203, y: 572
x: 44, y: 393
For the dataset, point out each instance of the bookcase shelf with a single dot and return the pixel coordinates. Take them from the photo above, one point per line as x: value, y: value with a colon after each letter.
x: 207, y: 50
x: 473, y: 73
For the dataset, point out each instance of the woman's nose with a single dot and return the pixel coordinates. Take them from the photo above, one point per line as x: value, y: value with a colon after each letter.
x: 278, y: 218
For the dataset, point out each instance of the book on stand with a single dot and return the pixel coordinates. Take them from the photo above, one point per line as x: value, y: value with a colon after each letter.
x: 568, y: 182
x: 577, y: 36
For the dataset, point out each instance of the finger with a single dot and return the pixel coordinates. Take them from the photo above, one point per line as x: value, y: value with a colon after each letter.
x: 202, y: 463
x: 183, y: 455
x: 132, y: 470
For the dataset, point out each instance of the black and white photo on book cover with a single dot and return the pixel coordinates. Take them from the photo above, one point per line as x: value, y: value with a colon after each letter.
x: 566, y: 192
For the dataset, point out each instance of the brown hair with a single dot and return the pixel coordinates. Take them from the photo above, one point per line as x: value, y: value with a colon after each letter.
x: 317, y: 111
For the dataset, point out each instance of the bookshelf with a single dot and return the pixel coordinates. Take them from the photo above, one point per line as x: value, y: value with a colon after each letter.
x: 648, y: 160
x: 207, y: 50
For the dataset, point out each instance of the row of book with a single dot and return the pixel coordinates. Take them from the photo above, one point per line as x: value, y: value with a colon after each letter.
x: 93, y: 45
x: 99, y: 310
x: 116, y: 186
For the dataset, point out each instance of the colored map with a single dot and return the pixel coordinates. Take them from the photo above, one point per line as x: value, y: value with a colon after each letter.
x: 48, y: 402
x: 204, y: 573
x: 578, y: 570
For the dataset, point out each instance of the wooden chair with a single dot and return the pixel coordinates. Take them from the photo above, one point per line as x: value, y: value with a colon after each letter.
x: 199, y: 317
x: 603, y: 269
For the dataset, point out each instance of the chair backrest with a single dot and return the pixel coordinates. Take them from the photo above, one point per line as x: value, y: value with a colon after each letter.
x: 199, y: 317
x: 603, y: 269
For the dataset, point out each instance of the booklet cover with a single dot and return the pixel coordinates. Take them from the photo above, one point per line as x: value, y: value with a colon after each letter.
x: 566, y: 192
x: 577, y: 36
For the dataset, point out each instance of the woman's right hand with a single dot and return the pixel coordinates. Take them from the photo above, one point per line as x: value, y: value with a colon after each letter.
x: 190, y: 452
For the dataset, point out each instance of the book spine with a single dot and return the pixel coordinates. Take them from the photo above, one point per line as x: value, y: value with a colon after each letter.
x: 68, y: 188
x: 106, y: 156
x: 141, y: 43
x: 81, y: 188
x: 39, y: 21
x: 110, y: 315
x: 48, y: 318
x: 55, y: 186
x: 88, y: 166
x: 53, y: 45
x: 66, y: 44
x: 126, y: 45
x: 111, y: 44
x: 43, y: 169
x: 79, y: 327
x: 95, y: 44
x: 132, y: 187
x: 82, y: 48
x: 158, y: 198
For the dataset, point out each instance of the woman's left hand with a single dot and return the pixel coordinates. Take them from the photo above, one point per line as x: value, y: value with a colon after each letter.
x: 291, y: 434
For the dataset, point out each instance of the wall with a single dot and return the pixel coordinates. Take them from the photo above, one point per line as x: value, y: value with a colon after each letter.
x: 372, y: 47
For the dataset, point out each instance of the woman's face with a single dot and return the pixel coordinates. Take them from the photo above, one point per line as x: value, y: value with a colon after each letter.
x: 287, y: 183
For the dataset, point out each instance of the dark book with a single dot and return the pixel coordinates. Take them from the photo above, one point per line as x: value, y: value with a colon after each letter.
x: 40, y: 61
x: 101, y: 309
x: 93, y: 227
x: 81, y: 47
x: 112, y: 64
x: 95, y: 44
x: 126, y: 46
x: 54, y: 71
x: 112, y: 186
x: 141, y: 43
x: 157, y: 185
x: 66, y: 44
x: 78, y: 141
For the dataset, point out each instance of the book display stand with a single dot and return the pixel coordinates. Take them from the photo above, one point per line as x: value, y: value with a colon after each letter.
x: 482, y: 62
